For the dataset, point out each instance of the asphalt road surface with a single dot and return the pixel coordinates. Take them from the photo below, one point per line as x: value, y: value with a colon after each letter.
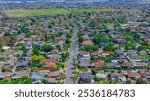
x: 70, y: 66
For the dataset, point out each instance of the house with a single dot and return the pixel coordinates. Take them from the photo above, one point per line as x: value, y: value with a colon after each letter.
x: 122, y: 79
x: 37, y: 77
x: 114, y: 64
x: 88, y: 42
x: 50, y: 65
x: 103, y: 44
x: 29, y: 45
x: 84, y: 54
x: 99, y: 63
x: 9, y: 63
x: 148, y: 77
x: 60, y: 41
x: 96, y: 53
x: 84, y: 62
x: 142, y: 53
x: 54, y: 57
x: 85, y: 78
x: 55, y: 51
x: 132, y: 54
x: 51, y: 80
x: 126, y: 63
x: 26, y: 58
x: 140, y: 64
x: 86, y: 37
x: 101, y: 75
x: 122, y: 42
x: 106, y: 53
x: 134, y: 75
x: 5, y: 75
x: 21, y: 74
x: 40, y: 43
x: 115, y: 76
x: 120, y: 54
x: 84, y: 59
x: 54, y: 74
x: 23, y: 64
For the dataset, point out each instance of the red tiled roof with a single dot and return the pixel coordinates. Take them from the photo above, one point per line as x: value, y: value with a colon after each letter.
x: 132, y: 74
x: 83, y: 52
x: 99, y: 63
x: 141, y: 64
x: 50, y: 64
x: 117, y: 74
x: 60, y: 41
x: 95, y: 53
x: 143, y: 75
x: 107, y: 52
x: 88, y: 42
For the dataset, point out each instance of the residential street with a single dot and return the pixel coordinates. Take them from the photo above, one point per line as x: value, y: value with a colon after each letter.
x: 70, y: 66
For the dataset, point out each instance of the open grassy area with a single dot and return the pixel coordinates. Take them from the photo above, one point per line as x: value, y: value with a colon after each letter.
x: 51, y: 12
x: 38, y: 12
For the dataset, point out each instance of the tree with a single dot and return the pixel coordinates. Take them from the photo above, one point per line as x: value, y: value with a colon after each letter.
x: 38, y: 58
x: 64, y: 56
x: 140, y: 81
x: 60, y: 65
x: 128, y: 82
x: 80, y: 39
x: 109, y: 47
x: 45, y: 81
x: 36, y: 52
x: 96, y: 40
x: 8, y: 34
x: 58, y: 47
x: 91, y: 48
x: 47, y: 48
x: 96, y: 79
x: 25, y: 80
x: 143, y: 47
x: 25, y: 30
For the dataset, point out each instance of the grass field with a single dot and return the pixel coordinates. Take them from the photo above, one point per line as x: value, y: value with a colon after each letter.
x: 38, y: 12
x: 51, y: 12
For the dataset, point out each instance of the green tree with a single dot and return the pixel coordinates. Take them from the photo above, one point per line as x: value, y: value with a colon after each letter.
x: 36, y: 52
x: 47, y: 48
x: 60, y: 65
x: 91, y: 48
x: 80, y: 39
x: 38, y: 58
x: 109, y: 47
x: 140, y: 81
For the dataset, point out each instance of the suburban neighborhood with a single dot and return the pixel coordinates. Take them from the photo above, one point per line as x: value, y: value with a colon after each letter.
x: 81, y: 46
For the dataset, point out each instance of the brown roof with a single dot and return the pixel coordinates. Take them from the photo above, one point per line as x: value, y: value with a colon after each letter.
x: 54, y: 74
x: 133, y: 74
x: 23, y: 73
x: 95, y: 53
x: 83, y: 52
x: 116, y: 74
x: 99, y: 63
x: 107, y: 52
x: 88, y: 42
x: 51, y: 80
x: 61, y: 41
x: 50, y: 64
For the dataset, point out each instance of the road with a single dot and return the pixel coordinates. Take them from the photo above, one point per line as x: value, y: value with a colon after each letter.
x: 69, y: 71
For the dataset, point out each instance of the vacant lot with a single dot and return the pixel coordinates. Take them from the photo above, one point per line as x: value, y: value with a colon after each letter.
x: 51, y: 12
